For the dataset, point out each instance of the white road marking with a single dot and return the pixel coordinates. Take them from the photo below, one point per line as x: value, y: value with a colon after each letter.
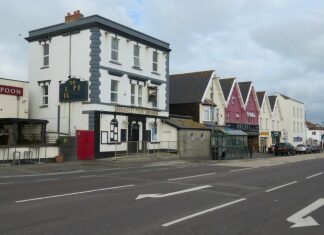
x: 192, y: 176
x: 4, y: 183
x: 87, y: 176
x: 312, y: 176
x: 299, y: 219
x: 45, y: 180
x: 158, y: 195
x: 276, y: 164
x: 76, y: 193
x: 54, y: 173
x: 281, y: 186
x: 243, y: 169
x: 202, y: 212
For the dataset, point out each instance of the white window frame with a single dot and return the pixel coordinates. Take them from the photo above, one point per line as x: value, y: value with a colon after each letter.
x: 140, y: 95
x: 46, y: 55
x: 114, y: 51
x: 113, y: 92
x: 154, y: 133
x: 155, y: 60
x: 136, y: 56
x: 133, y: 94
x: 44, y: 101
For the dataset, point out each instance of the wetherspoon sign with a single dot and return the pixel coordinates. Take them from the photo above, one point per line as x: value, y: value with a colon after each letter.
x: 11, y: 90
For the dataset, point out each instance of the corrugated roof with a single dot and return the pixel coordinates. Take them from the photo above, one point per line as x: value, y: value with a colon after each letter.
x: 260, y: 95
x: 244, y: 88
x: 233, y: 132
x: 185, y: 123
x: 189, y: 87
x: 272, y: 101
x: 226, y: 85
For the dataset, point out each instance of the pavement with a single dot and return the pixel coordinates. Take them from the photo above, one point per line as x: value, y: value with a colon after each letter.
x: 258, y: 160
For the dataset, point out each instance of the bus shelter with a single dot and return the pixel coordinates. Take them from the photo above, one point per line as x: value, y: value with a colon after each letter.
x: 229, y: 144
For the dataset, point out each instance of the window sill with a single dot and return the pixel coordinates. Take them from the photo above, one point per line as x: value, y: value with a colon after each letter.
x: 44, y: 106
x: 137, y: 68
x: 115, y: 62
x: 45, y: 67
x: 114, y: 143
x: 155, y: 73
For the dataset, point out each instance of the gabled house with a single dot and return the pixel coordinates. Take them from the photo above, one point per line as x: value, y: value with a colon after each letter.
x: 276, y: 125
x: 191, y: 94
x: 264, y: 118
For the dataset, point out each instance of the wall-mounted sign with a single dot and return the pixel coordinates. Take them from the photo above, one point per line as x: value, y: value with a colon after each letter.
x: 243, y: 127
x: 74, y: 90
x: 133, y: 110
x: 11, y: 90
x: 264, y: 133
x: 297, y: 139
x: 275, y: 134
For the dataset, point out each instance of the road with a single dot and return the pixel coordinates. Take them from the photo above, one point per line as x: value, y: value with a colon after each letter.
x: 176, y: 199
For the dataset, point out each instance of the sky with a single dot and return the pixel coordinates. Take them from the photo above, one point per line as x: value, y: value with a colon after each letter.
x: 277, y: 44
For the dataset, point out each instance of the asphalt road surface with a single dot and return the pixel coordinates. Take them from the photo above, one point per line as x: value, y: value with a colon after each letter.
x: 191, y: 199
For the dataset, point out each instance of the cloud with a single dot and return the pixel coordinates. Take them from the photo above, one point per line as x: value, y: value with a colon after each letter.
x: 279, y: 44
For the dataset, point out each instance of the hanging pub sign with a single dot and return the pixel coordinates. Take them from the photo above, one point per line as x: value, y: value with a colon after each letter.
x: 73, y: 90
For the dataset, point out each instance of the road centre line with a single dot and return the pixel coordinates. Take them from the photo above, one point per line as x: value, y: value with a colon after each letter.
x: 45, y: 180
x: 312, y: 176
x: 202, y: 212
x: 76, y: 193
x: 244, y: 169
x: 192, y: 176
x: 281, y: 186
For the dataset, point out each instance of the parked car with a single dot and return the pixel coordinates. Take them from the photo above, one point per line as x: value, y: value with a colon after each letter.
x: 301, y: 148
x: 316, y: 148
x: 284, y: 149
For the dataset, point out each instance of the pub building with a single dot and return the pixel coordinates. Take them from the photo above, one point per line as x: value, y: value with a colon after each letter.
x: 21, y: 138
x: 101, y: 82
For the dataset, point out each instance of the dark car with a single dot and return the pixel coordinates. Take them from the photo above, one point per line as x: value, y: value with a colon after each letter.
x: 284, y: 149
x: 316, y: 148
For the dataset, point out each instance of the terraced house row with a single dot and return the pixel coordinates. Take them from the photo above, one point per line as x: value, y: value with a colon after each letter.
x: 226, y: 104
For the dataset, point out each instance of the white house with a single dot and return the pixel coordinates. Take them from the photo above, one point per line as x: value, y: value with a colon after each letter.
x: 315, y: 133
x: 293, y: 115
x: 94, y: 78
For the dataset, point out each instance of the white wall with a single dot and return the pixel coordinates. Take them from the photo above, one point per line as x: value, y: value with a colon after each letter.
x: 14, y: 106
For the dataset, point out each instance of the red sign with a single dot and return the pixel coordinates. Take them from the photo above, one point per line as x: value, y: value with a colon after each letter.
x: 11, y: 90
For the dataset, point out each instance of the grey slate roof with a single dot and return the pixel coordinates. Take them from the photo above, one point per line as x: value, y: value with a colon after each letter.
x: 260, y: 95
x: 100, y: 22
x: 272, y: 101
x: 226, y: 85
x: 188, y: 87
x: 185, y: 123
x: 244, y: 88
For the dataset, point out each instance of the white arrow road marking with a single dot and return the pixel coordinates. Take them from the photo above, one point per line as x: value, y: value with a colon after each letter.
x: 159, y: 195
x: 76, y: 193
x: 298, y: 218
x: 202, y: 212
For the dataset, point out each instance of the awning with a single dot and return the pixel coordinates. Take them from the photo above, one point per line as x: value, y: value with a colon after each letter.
x: 233, y: 132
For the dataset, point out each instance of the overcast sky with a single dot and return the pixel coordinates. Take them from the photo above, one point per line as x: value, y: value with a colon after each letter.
x: 277, y: 44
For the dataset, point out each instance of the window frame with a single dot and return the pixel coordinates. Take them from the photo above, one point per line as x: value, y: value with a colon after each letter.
x: 44, y: 95
x: 136, y: 56
x: 155, y: 61
x: 114, y: 51
x: 133, y: 94
x: 140, y: 95
x: 46, y: 55
x: 154, y: 133
x: 113, y: 92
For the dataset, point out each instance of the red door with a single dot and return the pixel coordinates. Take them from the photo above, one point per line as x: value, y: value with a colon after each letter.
x: 85, y: 141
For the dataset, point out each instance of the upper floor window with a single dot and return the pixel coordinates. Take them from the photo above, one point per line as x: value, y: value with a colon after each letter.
x: 152, y: 96
x: 237, y: 117
x: 273, y: 124
x: 114, y: 49
x: 233, y: 99
x: 137, y: 56
x: 133, y: 94
x: 114, y: 91
x: 46, y: 55
x: 44, y: 95
x: 260, y: 123
x: 208, y: 113
x: 140, y: 95
x: 227, y: 116
x: 277, y: 125
x: 294, y: 114
x: 155, y: 61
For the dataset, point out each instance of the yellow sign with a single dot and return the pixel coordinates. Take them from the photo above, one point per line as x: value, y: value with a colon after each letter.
x: 124, y: 109
x: 265, y: 133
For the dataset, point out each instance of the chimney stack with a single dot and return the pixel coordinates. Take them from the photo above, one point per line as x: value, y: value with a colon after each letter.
x: 75, y: 16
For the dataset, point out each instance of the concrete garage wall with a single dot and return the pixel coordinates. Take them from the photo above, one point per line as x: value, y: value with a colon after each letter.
x: 194, y: 144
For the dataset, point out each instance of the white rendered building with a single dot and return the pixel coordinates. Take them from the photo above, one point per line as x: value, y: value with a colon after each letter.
x: 293, y: 115
x: 114, y: 81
